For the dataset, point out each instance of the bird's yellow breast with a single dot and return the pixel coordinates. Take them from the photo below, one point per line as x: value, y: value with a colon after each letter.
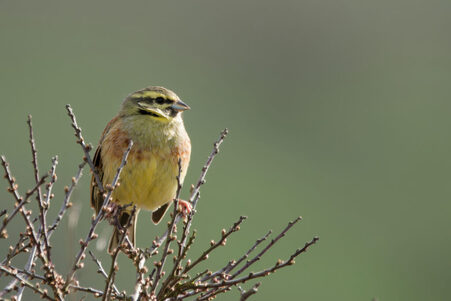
x: 148, y: 180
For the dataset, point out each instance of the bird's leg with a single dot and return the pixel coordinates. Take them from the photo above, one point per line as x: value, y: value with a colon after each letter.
x: 185, y: 207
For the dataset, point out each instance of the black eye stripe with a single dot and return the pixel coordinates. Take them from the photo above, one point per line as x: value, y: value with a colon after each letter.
x: 160, y: 100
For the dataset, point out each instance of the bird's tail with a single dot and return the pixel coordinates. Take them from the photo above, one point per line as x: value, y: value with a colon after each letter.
x: 124, y: 220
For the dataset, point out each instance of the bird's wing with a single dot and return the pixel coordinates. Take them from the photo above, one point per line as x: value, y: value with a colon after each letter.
x: 158, y: 214
x: 96, y: 195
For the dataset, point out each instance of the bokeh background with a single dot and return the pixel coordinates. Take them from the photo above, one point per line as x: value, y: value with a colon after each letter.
x: 338, y: 110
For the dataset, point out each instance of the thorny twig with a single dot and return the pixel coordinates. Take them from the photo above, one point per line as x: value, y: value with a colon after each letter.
x: 31, y: 232
x: 101, y: 270
x: 97, y: 293
x: 228, y: 283
x: 16, y: 250
x: 232, y: 264
x: 91, y: 235
x: 20, y: 202
x: 68, y: 193
x: 171, y: 229
x: 43, y: 208
x: 213, y: 292
x: 86, y: 148
x: 214, y: 245
x: 141, y: 269
x: 114, y: 267
x: 271, y: 243
x: 196, y: 191
x: 246, y: 294
x: 15, y: 274
x: 42, y: 251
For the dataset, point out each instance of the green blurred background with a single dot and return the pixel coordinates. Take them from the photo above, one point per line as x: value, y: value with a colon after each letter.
x: 338, y: 110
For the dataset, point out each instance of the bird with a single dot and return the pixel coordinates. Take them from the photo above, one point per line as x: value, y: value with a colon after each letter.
x: 152, y: 119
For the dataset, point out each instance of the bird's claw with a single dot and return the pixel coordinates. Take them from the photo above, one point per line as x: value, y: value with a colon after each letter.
x: 185, y: 207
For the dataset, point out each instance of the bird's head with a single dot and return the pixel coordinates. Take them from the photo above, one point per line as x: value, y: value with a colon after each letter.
x: 158, y: 103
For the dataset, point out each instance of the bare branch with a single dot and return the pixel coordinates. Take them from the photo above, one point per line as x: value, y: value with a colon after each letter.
x: 101, y: 270
x: 86, y: 148
x: 41, y: 205
x: 43, y: 208
x: 114, y: 267
x: 141, y: 269
x: 65, y: 204
x: 34, y: 154
x: 84, y: 243
x: 16, y: 250
x: 13, y: 273
x: 232, y: 264
x: 196, y: 191
x: 246, y: 294
x: 97, y: 293
x: 171, y: 229
x: 20, y: 202
x: 272, y: 242
x: 228, y: 283
x: 214, y: 245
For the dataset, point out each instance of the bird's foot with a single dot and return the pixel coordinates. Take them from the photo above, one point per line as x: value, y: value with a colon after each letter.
x: 185, y: 207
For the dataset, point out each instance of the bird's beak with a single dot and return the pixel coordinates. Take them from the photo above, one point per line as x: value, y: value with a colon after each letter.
x: 180, y: 106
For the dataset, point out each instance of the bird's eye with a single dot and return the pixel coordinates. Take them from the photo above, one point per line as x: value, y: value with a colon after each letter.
x: 159, y: 100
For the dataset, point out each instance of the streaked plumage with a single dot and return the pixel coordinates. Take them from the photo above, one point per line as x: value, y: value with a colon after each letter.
x: 151, y: 117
